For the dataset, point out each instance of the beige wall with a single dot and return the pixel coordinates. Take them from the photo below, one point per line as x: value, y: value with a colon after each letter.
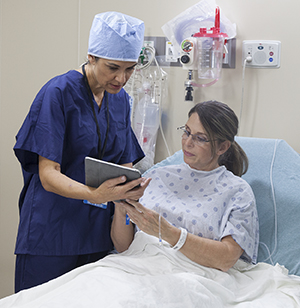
x: 40, y: 39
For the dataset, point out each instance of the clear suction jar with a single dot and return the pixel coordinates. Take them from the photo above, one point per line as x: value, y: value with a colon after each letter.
x: 210, y: 57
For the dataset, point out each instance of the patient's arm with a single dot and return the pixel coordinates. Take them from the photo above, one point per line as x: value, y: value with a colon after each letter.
x: 121, y: 234
x: 221, y: 255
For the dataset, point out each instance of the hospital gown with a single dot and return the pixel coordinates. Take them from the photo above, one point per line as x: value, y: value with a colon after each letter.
x: 211, y: 204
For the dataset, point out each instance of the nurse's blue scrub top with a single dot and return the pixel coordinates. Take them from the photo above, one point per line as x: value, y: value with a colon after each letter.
x: 60, y: 126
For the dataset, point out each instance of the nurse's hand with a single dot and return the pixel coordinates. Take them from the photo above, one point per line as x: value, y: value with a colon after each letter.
x: 111, y: 190
x: 54, y: 181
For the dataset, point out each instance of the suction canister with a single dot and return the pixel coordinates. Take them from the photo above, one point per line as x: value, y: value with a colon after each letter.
x: 204, y: 51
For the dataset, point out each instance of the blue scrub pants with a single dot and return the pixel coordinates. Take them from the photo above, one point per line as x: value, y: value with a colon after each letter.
x: 35, y: 270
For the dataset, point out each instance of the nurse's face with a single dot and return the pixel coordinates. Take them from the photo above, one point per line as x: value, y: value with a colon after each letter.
x: 111, y: 75
x: 199, y: 156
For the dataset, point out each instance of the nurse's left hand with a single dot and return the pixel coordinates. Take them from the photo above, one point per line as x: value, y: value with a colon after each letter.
x: 134, y: 189
x: 111, y: 190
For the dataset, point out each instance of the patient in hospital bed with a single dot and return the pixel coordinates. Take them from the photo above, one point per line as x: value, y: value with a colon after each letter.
x: 192, y: 240
x: 201, y: 207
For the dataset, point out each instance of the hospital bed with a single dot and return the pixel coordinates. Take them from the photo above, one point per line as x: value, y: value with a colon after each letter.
x: 153, y: 275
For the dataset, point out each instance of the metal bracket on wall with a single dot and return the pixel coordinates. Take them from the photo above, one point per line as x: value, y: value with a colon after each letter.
x: 229, y: 60
x: 165, y: 55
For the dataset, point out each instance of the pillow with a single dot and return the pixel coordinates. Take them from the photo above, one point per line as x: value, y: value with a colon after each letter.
x: 274, y: 175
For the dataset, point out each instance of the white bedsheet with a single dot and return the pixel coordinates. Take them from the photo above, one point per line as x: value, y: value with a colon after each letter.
x: 153, y: 275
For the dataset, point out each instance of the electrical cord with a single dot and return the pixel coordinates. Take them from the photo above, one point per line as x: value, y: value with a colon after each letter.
x: 247, y: 59
x: 275, y: 208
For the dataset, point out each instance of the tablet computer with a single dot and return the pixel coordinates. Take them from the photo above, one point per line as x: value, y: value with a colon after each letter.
x: 98, y: 171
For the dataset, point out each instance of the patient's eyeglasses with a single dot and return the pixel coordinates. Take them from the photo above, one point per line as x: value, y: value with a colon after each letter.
x: 197, y: 139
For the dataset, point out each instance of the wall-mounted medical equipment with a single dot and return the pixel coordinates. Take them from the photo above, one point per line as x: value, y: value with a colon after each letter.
x: 262, y: 54
x: 167, y: 56
x: 200, y: 33
x: 204, y: 53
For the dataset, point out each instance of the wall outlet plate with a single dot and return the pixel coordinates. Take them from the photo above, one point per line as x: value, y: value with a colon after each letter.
x: 264, y: 54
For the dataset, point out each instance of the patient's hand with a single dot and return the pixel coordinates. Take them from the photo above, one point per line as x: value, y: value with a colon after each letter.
x: 149, y: 222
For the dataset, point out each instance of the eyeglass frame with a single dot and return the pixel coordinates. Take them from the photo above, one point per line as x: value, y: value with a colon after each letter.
x: 198, y: 140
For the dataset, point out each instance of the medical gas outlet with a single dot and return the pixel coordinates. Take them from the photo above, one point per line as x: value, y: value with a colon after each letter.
x: 187, y: 57
x: 261, y: 54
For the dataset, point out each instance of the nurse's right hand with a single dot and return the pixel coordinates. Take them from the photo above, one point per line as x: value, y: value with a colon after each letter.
x: 111, y: 190
x: 54, y: 181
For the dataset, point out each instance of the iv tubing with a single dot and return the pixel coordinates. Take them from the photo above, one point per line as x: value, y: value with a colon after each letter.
x: 152, y: 52
x: 199, y: 85
x: 79, y: 27
x: 160, y: 112
x: 131, y: 91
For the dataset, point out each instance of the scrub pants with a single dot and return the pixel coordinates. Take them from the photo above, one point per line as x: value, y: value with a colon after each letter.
x: 34, y: 270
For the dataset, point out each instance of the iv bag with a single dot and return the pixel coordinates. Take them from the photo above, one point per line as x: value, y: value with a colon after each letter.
x: 146, y: 124
x: 147, y: 88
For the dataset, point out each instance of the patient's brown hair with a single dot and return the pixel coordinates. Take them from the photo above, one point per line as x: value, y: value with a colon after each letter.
x: 221, y: 124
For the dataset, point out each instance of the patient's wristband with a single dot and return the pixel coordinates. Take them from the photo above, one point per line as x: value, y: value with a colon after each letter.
x: 182, y: 239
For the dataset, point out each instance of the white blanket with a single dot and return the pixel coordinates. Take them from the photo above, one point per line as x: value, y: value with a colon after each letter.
x: 153, y: 275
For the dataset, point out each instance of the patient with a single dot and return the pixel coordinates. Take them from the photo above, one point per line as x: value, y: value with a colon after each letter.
x: 202, y: 207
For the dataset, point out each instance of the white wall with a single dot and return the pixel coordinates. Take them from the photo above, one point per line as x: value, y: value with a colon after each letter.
x: 40, y: 39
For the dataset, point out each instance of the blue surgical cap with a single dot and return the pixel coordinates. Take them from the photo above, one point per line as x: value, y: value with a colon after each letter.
x: 116, y: 36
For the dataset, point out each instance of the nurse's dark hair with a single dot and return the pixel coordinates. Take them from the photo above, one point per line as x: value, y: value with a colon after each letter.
x: 96, y: 59
x: 221, y: 124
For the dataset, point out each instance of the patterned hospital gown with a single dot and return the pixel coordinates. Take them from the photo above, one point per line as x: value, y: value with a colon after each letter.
x: 211, y: 204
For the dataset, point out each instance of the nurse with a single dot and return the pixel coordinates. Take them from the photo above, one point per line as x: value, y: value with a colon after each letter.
x: 81, y: 113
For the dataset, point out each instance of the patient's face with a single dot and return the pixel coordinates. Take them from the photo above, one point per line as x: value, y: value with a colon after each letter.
x: 198, y: 156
